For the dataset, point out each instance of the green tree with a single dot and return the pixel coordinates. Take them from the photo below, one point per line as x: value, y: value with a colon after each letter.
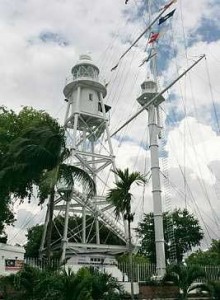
x: 87, y: 284
x: 38, y: 157
x: 208, y: 257
x: 121, y: 197
x: 214, y: 288
x: 34, y: 237
x: 104, y: 286
x: 6, y: 217
x: 184, y: 276
x: 186, y: 228
x: 12, y: 126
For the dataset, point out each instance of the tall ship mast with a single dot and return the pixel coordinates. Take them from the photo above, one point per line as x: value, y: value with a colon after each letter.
x: 150, y: 99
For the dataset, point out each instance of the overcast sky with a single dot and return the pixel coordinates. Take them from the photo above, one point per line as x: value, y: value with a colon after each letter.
x: 41, y: 41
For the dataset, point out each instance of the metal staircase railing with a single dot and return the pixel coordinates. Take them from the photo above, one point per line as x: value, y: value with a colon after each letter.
x: 115, y: 226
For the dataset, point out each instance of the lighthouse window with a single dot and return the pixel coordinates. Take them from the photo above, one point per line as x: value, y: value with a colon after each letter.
x: 91, y: 97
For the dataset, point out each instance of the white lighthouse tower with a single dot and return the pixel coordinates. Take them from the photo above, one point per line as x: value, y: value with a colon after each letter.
x: 86, y: 123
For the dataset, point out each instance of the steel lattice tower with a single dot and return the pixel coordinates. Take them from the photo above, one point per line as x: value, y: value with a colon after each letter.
x: 86, y: 124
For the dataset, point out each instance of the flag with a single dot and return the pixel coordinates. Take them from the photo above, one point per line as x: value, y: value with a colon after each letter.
x: 168, y: 4
x: 163, y: 19
x: 151, y: 55
x: 154, y: 37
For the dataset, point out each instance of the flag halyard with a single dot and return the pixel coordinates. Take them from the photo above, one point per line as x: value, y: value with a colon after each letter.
x: 168, y: 4
x: 152, y: 53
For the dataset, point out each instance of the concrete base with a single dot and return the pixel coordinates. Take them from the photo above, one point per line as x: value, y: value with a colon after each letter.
x: 127, y: 287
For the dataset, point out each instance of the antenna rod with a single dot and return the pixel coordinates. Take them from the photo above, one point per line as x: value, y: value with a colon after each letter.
x: 158, y: 95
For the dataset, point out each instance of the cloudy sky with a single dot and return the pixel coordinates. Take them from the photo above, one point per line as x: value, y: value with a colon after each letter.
x: 41, y: 41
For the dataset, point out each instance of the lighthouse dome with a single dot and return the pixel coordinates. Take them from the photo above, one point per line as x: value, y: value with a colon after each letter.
x: 85, y: 68
x: 149, y: 87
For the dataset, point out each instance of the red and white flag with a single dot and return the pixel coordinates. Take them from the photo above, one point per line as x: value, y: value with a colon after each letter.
x: 154, y: 37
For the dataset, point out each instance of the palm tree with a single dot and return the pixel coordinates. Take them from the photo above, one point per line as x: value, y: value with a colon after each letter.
x: 35, y: 284
x: 120, y: 197
x: 35, y: 151
x: 39, y: 156
x: 214, y: 288
x: 104, y: 286
x: 184, y: 276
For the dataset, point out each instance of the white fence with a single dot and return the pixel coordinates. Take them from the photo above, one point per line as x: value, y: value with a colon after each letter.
x: 143, y: 272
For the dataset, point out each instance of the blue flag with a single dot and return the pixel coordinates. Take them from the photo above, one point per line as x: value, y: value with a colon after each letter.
x: 163, y: 19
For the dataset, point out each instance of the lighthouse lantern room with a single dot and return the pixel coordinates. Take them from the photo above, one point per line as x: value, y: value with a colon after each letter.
x: 149, y: 91
x: 84, y: 93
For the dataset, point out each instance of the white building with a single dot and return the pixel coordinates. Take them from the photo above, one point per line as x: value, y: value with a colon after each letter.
x: 11, y: 259
x: 105, y: 263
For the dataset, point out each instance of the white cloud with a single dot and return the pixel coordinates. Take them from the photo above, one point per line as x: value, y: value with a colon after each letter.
x: 27, y: 215
x: 193, y: 148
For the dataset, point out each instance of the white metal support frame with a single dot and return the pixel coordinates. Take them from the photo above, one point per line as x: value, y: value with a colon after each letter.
x: 86, y: 121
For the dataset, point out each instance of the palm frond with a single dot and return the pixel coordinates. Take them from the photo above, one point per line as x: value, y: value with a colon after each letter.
x: 117, y: 198
x: 126, y: 179
x: 65, y: 154
x: 120, y: 196
x: 70, y: 174
x: 40, y: 147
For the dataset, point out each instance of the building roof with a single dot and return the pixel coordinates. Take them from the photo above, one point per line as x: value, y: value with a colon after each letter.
x: 11, y: 248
